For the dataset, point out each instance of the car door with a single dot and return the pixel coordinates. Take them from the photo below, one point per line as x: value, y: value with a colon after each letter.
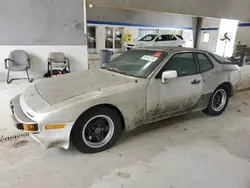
x: 162, y: 40
x: 177, y: 95
x: 172, y: 41
x: 208, y: 74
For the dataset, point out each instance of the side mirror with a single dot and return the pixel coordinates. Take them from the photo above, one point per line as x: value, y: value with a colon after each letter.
x: 168, y: 75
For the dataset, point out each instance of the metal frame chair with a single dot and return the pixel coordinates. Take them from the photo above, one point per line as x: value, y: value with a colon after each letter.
x: 14, y: 64
x: 57, y: 59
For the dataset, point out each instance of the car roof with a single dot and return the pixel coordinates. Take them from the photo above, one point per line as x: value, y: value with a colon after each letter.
x: 170, y: 49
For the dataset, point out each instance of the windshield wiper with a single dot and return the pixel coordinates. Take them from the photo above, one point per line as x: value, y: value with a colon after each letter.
x: 114, y: 70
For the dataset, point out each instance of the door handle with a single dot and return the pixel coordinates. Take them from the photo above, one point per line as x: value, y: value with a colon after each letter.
x: 195, y: 81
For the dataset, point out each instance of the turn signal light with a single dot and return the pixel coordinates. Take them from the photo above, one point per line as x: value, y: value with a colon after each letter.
x: 30, y: 127
x: 57, y: 126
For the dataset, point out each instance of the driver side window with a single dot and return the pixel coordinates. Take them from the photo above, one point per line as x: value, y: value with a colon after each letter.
x: 183, y: 63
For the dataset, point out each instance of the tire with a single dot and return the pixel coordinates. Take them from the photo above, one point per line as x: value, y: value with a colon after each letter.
x: 84, y: 137
x: 211, y: 108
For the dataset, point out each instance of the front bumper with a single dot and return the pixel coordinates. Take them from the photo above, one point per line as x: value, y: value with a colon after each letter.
x: 18, y: 116
x: 129, y: 47
x: 47, y: 138
x: 54, y: 138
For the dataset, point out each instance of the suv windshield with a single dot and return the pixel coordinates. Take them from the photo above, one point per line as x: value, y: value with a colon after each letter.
x: 148, y: 38
x: 137, y: 63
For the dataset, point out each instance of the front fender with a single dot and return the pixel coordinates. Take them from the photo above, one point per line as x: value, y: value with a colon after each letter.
x: 129, y: 98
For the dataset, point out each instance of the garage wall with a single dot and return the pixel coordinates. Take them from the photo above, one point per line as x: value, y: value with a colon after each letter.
x: 229, y: 9
x: 132, y: 21
x: 243, y: 34
x: 40, y: 27
x: 103, y: 14
x: 210, y: 26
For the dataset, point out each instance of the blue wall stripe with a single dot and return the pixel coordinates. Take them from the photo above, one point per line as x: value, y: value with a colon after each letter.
x: 244, y: 25
x: 210, y: 29
x: 157, y: 26
x: 134, y: 24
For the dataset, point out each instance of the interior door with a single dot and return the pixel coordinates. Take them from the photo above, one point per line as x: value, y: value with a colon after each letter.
x: 177, y: 95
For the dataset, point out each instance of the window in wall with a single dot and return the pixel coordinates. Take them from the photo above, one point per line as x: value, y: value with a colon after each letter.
x: 206, y: 37
x: 164, y: 31
x: 109, y: 37
x: 118, y: 37
x: 205, y: 64
x: 176, y: 32
x: 91, y: 33
x: 183, y: 63
x: 157, y: 31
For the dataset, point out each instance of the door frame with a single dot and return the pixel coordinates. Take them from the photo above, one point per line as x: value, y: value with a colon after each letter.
x: 154, y: 76
x: 161, y: 65
x: 116, y: 50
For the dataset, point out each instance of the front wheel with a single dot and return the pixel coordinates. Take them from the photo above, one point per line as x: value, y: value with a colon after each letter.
x: 218, y: 102
x: 97, y: 130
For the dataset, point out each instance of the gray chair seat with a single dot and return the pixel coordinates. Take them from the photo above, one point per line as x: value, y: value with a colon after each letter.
x: 18, y: 68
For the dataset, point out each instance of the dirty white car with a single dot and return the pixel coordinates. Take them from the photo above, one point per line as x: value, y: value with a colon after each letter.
x: 93, y: 107
x: 157, y: 40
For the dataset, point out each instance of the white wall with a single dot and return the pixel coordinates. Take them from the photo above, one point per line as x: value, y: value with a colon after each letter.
x: 243, y: 35
x: 225, y: 48
x: 188, y: 38
x: 77, y: 55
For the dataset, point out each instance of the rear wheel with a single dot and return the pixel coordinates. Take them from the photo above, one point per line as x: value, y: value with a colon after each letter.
x: 97, y: 130
x: 218, y: 102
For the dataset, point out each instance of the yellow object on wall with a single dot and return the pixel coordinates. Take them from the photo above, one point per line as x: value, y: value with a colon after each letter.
x: 128, y: 37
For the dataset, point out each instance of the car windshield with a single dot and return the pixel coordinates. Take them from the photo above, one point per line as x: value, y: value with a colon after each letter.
x: 137, y: 63
x: 148, y: 38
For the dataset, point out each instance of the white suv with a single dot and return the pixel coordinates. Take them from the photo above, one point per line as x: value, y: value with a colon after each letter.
x: 157, y: 40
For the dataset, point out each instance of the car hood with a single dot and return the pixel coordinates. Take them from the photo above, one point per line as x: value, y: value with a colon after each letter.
x: 64, y: 87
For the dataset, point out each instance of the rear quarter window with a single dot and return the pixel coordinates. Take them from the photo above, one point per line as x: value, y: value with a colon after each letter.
x: 205, y: 64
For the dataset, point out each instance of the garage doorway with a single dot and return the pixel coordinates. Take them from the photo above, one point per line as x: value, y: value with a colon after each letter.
x: 114, y: 38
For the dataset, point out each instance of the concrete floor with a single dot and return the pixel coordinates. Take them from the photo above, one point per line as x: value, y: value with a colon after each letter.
x: 193, y: 150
